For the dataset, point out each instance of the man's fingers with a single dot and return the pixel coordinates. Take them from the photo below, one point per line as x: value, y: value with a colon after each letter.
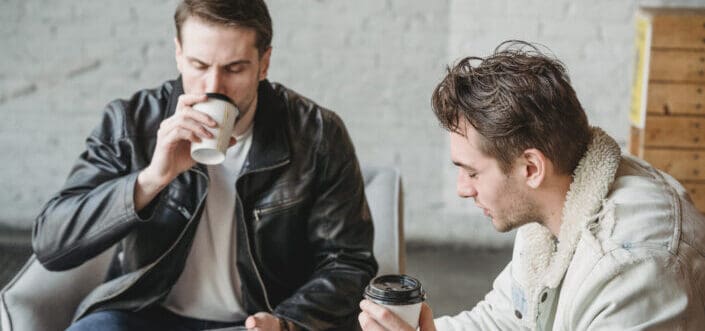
x: 368, y: 323
x: 426, y: 319
x: 251, y: 322
x: 196, y: 128
x: 187, y: 100
x: 383, y: 316
x: 179, y: 134
x: 233, y: 141
x: 198, y: 116
x: 189, y: 125
x: 261, y: 321
x: 189, y: 116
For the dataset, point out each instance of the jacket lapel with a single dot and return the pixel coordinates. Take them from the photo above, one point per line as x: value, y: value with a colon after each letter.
x: 270, y: 142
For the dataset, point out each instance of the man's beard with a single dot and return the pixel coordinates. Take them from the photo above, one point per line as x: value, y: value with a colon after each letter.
x: 523, y: 210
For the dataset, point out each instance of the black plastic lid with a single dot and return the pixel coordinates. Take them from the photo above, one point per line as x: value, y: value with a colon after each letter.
x: 395, y: 290
x: 219, y: 97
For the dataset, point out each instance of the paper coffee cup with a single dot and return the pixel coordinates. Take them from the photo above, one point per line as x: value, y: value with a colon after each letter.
x: 222, y: 110
x: 401, y: 294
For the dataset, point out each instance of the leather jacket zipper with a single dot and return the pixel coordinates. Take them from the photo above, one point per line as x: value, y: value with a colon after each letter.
x: 252, y: 260
x: 184, y: 212
x: 150, y: 266
x: 257, y: 213
x: 247, y: 234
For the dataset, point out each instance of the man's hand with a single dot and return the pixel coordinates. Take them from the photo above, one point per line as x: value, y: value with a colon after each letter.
x: 377, y: 318
x: 265, y: 322
x: 172, y: 154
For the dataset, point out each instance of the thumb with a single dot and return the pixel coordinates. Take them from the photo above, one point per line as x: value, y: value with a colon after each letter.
x: 426, y: 319
x: 233, y: 141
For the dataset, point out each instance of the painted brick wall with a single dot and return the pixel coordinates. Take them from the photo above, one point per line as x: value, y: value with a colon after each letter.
x: 373, y: 62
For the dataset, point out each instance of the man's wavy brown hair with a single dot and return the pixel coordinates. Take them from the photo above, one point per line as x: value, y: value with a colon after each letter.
x: 251, y: 14
x: 517, y: 98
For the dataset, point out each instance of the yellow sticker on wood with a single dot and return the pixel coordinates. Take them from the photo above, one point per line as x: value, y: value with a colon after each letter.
x: 641, y: 72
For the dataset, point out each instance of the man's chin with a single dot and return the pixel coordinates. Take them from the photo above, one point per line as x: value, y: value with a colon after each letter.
x: 502, y: 226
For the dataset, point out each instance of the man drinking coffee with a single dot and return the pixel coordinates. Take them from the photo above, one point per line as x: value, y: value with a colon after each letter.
x: 276, y: 237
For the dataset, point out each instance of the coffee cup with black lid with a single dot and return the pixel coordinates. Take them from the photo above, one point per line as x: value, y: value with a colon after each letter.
x: 401, y: 294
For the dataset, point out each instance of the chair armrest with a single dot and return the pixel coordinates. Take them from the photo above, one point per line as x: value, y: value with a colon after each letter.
x: 38, y: 299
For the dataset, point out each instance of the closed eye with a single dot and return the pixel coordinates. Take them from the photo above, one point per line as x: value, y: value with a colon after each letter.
x: 198, y: 65
x: 235, y: 68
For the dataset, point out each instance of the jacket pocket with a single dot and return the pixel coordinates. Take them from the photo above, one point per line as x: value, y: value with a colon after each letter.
x: 274, y: 208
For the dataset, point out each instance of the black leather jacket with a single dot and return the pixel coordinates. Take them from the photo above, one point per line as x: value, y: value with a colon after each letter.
x: 304, y: 244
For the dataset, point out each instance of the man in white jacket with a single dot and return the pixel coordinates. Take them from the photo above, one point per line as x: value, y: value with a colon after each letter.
x: 605, y: 241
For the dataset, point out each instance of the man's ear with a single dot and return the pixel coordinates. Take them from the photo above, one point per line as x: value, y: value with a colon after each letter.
x: 534, y: 167
x: 178, y: 52
x: 264, y: 63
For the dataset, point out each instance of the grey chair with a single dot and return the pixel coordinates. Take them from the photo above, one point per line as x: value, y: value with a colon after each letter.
x: 38, y: 299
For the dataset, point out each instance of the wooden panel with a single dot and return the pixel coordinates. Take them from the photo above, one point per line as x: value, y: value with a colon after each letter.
x: 677, y: 66
x: 676, y: 99
x: 697, y: 193
x: 682, y: 165
x: 635, y: 143
x: 678, y: 31
x: 674, y: 131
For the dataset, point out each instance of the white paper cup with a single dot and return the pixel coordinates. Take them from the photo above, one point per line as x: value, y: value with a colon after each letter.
x: 401, y: 294
x: 222, y: 110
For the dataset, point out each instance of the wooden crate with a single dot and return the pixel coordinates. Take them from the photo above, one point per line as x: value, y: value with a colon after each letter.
x: 674, y: 132
x: 677, y: 28
x: 675, y: 99
x: 668, y: 95
x: 675, y: 65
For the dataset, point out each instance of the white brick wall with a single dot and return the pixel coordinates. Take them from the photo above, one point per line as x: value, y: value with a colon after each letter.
x: 373, y: 62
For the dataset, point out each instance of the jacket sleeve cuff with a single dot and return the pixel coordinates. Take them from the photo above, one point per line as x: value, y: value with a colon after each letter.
x: 147, y: 212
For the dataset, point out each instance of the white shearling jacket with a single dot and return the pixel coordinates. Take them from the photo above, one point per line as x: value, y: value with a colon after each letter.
x: 630, y: 255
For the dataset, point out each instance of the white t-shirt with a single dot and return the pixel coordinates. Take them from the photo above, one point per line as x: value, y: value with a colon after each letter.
x: 209, y: 286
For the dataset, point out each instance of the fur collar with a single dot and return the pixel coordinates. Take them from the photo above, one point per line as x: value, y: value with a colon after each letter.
x: 541, y: 262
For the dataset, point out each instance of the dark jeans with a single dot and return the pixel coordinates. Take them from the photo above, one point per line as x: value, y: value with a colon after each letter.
x: 156, y: 319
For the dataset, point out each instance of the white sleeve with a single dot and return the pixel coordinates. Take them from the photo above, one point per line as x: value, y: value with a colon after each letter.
x: 495, y: 312
x: 649, y: 292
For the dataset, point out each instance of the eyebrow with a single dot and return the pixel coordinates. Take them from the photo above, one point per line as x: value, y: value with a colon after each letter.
x: 190, y: 58
x: 463, y: 165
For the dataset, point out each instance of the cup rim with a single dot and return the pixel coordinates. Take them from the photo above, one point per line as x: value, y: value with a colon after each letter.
x: 223, y: 97
x: 411, y: 295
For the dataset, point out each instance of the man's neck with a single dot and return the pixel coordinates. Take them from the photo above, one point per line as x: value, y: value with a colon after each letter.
x: 245, y: 120
x: 553, y: 201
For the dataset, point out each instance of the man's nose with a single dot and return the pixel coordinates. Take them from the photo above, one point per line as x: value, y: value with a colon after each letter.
x: 214, y: 83
x: 464, y: 187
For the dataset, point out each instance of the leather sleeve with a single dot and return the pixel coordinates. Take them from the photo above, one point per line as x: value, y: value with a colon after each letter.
x: 340, y: 228
x: 95, y: 207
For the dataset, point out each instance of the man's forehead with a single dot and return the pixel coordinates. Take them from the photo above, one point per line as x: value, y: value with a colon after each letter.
x: 462, y: 150
x: 466, y: 147
x: 197, y: 27
x: 467, y: 134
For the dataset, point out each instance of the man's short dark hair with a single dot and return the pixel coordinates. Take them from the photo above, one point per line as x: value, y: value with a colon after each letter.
x: 235, y: 13
x: 517, y: 98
